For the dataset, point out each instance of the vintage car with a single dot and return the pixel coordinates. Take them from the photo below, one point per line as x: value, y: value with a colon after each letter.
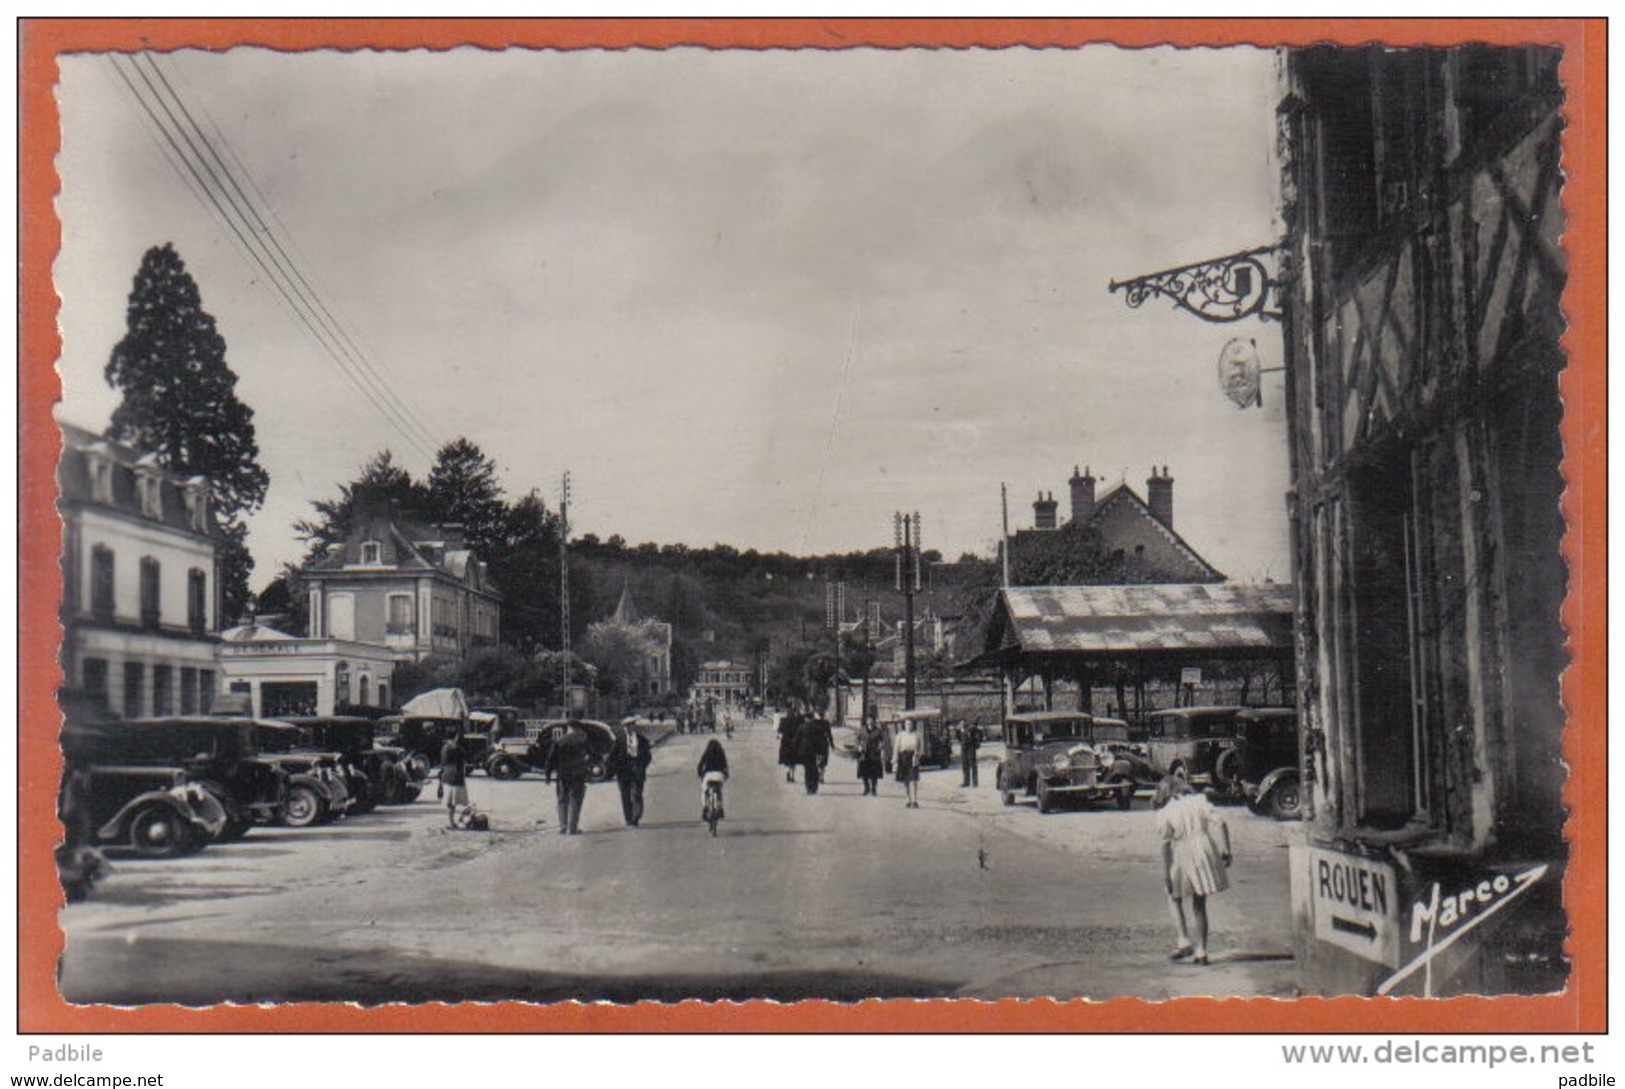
x: 1189, y: 741
x: 1053, y: 755
x: 321, y: 787
x: 155, y: 812
x: 1128, y: 759
x: 220, y: 754
x: 936, y: 736
x: 514, y: 756
x: 1266, y: 759
x: 380, y: 774
x: 423, y: 738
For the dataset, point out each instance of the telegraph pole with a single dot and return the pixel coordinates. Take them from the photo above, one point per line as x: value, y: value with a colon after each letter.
x: 564, y: 592
x: 834, y: 613
x: 1007, y: 698
x: 906, y: 533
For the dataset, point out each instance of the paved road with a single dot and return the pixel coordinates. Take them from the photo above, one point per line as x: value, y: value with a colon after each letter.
x: 836, y: 895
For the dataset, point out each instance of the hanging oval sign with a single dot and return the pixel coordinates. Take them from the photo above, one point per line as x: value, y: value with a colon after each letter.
x: 1238, y: 372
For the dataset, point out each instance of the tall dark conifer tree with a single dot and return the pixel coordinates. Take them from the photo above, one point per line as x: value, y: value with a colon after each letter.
x: 180, y: 403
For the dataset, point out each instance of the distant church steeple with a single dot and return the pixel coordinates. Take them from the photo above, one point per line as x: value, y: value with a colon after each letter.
x: 626, y: 613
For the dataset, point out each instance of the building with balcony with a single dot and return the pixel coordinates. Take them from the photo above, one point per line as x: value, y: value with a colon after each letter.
x: 721, y: 683
x: 404, y: 584
x: 140, y: 607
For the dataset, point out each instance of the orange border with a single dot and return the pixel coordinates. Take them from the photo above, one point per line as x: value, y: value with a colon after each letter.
x: 1583, y: 1008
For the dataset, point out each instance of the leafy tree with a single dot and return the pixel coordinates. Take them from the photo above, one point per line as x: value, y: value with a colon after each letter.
x: 332, y: 520
x: 619, y: 654
x: 180, y: 402
x: 524, y: 565
x: 462, y: 488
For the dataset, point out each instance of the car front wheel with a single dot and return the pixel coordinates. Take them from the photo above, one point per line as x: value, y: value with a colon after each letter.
x: 159, y: 832
x: 302, y: 808
x: 1286, y: 800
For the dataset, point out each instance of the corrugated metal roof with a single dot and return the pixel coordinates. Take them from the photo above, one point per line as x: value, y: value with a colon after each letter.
x: 1178, y: 617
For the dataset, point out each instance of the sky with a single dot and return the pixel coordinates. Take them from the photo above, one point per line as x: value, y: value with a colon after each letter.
x: 757, y: 298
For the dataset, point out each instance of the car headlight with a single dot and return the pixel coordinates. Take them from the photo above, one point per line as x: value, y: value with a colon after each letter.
x: 1060, y: 764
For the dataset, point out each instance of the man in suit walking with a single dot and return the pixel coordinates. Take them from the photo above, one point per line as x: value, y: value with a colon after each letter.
x: 631, y: 762
x: 570, y: 764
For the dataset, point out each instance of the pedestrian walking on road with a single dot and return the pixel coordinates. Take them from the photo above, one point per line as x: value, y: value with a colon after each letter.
x: 570, y: 764
x: 453, y: 786
x: 906, y: 755
x: 630, y: 759
x: 871, y: 756
x: 815, y: 741
x: 790, y: 743
x: 970, y: 740
x: 1195, y: 855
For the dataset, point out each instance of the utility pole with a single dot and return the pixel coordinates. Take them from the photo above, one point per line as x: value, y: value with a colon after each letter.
x: 906, y: 533
x: 564, y: 593
x: 834, y: 614
x: 1006, y: 697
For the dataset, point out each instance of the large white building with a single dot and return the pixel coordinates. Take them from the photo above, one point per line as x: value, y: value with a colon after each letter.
x: 284, y: 675
x: 140, y: 605
x: 721, y: 682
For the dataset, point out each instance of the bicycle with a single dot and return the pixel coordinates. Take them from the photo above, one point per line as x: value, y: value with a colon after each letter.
x: 711, y: 810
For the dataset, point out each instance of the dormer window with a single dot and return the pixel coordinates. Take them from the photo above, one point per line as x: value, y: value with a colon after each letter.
x: 149, y: 488
x: 196, y: 497
x: 372, y: 554
x: 101, y: 480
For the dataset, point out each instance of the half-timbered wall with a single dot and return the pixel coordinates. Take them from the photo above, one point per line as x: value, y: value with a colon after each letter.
x: 1424, y: 274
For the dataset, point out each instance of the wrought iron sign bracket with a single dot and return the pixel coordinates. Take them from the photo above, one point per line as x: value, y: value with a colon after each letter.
x: 1220, y: 290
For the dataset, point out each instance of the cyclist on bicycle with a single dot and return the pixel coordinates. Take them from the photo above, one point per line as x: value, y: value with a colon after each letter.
x: 713, y: 769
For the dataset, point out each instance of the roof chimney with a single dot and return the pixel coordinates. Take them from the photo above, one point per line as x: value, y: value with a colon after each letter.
x: 1083, y: 495
x: 1044, y: 511
x: 1159, y: 496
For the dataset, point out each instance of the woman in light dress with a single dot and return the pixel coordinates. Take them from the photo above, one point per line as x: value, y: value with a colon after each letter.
x: 1195, y: 855
x: 906, y: 757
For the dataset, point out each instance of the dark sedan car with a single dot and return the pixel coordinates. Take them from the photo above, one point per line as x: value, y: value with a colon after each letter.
x: 377, y: 774
x: 514, y: 756
x: 1190, y: 741
x: 1267, y: 761
x: 153, y: 811
x: 220, y: 754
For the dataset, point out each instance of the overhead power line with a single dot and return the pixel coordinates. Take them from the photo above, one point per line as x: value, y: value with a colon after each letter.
x: 196, y: 158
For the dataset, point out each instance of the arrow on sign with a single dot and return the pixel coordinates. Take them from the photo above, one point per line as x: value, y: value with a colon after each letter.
x: 1368, y: 931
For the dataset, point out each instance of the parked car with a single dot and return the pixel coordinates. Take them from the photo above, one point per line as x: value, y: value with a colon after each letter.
x: 512, y: 757
x: 423, y: 738
x: 1266, y: 756
x: 1129, y: 759
x: 936, y: 736
x: 320, y: 787
x: 155, y: 812
x: 220, y: 754
x: 376, y: 774
x: 1189, y: 741
x: 1053, y: 755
